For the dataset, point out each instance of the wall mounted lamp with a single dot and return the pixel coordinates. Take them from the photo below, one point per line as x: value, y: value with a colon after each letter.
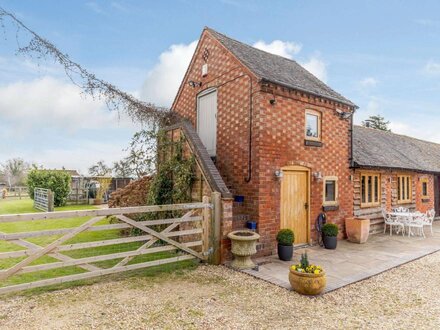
x: 278, y: 174
x: 344, y: 115
x: 317, y: 176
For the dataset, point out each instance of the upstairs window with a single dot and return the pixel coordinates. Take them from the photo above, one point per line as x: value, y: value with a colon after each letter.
x: 370, y: 189
x: 404, y: 189
x: 313, y: 125
x: 330, y: 191
x: 424, y: 182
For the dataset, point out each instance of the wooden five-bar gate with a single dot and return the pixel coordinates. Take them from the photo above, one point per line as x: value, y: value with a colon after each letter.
x: 192, y: 234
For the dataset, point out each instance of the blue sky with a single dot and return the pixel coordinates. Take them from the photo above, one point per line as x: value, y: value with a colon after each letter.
x: 382, y: 55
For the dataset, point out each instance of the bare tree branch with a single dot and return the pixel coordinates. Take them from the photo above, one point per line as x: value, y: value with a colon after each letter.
x: 115, y: 99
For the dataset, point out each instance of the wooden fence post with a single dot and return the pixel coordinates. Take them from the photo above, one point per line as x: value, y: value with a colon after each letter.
x: 206, y: 226
x: 50, y: 201
x: 215, y: 256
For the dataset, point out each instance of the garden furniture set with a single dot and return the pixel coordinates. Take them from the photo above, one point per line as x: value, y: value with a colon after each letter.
x: 405, y: 221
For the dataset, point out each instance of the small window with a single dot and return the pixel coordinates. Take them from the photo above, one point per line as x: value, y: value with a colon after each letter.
x: 424, y: 182
x: 404, y: 189
x: 313, y: 125
x: 330, y: 191
x: 370, y: 189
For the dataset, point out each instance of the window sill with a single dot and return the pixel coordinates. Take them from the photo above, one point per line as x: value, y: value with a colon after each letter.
x: 326, y: 208
x: 405, y: 202
x: 312, y: 143
x: 425, y: 200
x: 366, y: 206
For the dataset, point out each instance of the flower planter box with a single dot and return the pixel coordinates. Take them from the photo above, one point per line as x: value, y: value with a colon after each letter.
x: 358, y: 229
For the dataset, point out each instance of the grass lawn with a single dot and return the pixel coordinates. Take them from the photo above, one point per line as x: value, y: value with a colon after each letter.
x: 19, y: 206
x: 25, y: 206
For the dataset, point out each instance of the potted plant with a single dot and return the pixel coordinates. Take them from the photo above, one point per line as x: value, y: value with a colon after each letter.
x: 285, y: 239
x: 306, y: 278
x: 244, y: 245
x: 329, y: 235
x: 358, y: 229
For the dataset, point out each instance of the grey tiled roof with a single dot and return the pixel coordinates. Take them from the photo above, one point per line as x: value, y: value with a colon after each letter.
x: 278, y: 69
x: 376, y: 148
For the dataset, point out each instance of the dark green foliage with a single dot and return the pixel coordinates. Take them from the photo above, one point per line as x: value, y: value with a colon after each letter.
x: 57, y: 181
x: 174, y: 176
x: 330, y: 229
x: 285, y: 237
x: 304, y: 262
x: 173, y: 179
x: 377, y: 122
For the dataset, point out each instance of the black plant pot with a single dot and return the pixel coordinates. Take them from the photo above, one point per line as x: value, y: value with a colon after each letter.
x: 330, y: 242
x: 285, y: 252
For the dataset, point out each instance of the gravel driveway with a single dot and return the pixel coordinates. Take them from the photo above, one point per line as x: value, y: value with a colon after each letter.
x: 212, y: 297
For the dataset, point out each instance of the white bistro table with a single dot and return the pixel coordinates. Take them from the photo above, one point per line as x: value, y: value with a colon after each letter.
x: 408, y: 220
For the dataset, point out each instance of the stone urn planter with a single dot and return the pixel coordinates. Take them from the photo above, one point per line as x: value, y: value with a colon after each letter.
x: 244, y: 245
x: 306, y: 283
x: 358, y: 229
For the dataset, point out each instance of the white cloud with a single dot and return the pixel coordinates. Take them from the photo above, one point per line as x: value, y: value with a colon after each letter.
x: 317, y: 67
x: 427, y: 22
x: 95, y: 7
x: 432, y: 68
x: 163, y: 81
x: 282, y: 48
x: 52, y: 103
x: 368, y: 82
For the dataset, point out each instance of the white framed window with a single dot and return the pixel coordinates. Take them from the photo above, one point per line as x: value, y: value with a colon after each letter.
x: 330, y: 191
x: 313, y: 125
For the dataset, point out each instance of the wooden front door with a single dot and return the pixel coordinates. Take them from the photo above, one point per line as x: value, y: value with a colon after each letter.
x: 294, y: 208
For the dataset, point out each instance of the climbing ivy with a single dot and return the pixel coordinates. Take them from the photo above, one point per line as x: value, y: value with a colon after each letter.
x: 174, y: 173
x: 171, y: 184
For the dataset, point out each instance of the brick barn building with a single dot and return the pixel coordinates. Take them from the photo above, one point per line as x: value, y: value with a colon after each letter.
x: 281, y: 140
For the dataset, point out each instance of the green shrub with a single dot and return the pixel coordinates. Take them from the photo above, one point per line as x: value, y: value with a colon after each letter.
x: 57, y: 181
x: 330, y: 229
x: 285, y: 237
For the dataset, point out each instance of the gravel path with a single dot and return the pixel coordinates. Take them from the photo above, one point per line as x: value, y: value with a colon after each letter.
x: 212, y: 297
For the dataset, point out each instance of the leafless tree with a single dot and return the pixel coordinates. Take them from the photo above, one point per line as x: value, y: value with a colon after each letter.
x: 14, y: 171
x: 100, y: 169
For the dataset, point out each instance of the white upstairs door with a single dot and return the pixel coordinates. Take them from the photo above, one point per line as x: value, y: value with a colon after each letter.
x: 207, y: 120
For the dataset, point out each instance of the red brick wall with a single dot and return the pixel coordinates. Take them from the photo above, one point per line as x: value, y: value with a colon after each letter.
x: 277, y: 140
x: 389, y: 195
x: 281, y: 143
x: 233, y: 82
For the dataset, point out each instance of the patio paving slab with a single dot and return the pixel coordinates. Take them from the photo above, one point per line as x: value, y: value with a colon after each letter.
x: 351, y: 262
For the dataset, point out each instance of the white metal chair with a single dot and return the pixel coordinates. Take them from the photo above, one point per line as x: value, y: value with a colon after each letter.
x: 429, y: 219
x: 416, y: 221
x: 390, y: 221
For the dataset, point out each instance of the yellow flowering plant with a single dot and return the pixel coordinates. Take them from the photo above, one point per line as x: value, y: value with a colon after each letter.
x: 305, y: 267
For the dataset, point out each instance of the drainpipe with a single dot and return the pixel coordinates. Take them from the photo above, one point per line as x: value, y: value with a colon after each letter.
x: 249, y: 175
x: 248, y: 178
x: 351, y: 141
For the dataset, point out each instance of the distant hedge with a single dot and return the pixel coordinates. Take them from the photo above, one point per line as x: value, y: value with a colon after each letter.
x: 57, y: 181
